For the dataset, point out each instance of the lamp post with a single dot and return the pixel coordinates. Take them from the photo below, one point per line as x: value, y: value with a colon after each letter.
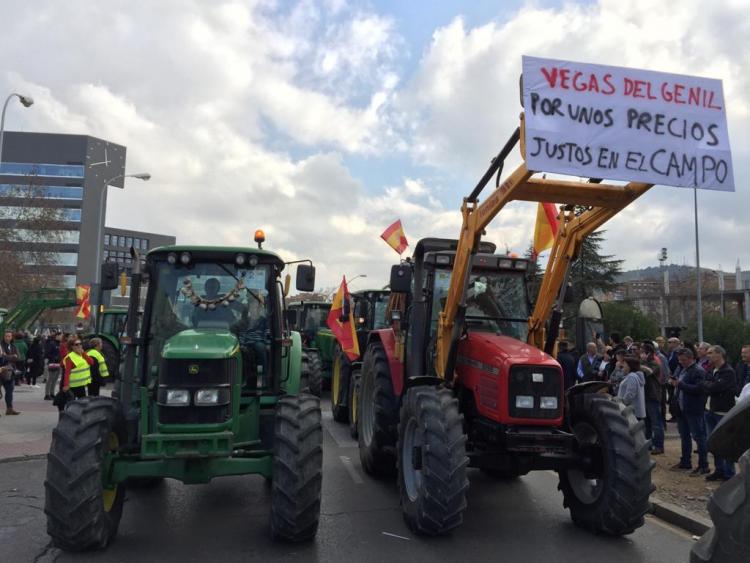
x: 698, y: 301
x: 356, y: 277
x: 145, y: 176
x: 662, y: 256
x: 26, y: 101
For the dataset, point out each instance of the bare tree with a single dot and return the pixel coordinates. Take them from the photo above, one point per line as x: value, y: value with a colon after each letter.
x: 30, y: 222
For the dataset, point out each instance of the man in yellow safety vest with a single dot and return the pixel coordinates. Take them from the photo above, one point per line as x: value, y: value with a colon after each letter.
x: 77, y: 370
x: 95, y: 352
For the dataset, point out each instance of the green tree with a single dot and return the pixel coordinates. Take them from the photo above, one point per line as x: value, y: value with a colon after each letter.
x: 592, y: 270
x: 729, y: 333
x: 625, y: 319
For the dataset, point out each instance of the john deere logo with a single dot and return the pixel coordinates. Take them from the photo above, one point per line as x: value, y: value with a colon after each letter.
x: 193, y: 369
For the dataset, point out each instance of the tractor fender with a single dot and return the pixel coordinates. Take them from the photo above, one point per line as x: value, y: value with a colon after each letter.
x: 588, y: 387
x: 387, y: 337
x: 291, y: 369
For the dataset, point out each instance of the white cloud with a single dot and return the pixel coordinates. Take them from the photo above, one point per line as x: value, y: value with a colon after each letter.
x: 248, y: 114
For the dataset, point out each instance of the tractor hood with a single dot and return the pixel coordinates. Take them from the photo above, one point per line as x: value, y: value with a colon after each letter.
x: 201, y: 344
x: 486, y: 345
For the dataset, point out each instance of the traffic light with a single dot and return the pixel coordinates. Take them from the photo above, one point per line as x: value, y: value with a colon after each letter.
x: 123, y: 283
x: 108, y: 275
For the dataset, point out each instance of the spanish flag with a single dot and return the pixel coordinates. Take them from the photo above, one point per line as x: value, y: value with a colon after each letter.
x: 344, y: 330
x: 545, y: 228
x: 395, y: 237
x: 83, y: 301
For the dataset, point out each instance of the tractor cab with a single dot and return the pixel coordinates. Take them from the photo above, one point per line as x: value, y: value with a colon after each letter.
x: 308, y: 317
x: 210, y: 315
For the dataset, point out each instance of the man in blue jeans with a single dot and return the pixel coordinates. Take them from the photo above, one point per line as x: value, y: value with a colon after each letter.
x: 720, y: 385
x: 691, y: 398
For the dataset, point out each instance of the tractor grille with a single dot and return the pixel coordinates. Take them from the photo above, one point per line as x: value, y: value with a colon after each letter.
x: 193, y: 375
x: 521, y: 382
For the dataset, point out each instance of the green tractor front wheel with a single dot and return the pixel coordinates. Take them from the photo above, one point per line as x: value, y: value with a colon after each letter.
x: 297, y: 468
x: 83, y: 509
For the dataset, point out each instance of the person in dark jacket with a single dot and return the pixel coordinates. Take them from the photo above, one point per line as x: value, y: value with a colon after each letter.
x: 568, y: 364
x: 34, y: 361
x: 588, y: 364
x: 720, y: 386
x: 691, y: 398
x: 742, y: 369
x: 652, y: 369
x: 52, y: 356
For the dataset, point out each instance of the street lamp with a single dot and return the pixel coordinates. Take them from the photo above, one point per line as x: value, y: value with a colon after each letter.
x: 356, y: 277
x: 145, y: 176
x: 26, y: 101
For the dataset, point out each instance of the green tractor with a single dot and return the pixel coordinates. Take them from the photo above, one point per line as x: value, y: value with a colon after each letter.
x: 209, y: 388
x: 310, y: 319
x: 369, y: 314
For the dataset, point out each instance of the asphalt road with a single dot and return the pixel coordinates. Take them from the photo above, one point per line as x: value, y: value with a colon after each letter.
x: 227, y: 520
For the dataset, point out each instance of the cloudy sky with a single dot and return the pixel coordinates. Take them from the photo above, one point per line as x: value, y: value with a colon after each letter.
x: 323, y: 122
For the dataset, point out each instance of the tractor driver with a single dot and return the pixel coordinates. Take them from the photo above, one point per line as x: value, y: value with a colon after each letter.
x: 220, y: 314
x: 252, y: 331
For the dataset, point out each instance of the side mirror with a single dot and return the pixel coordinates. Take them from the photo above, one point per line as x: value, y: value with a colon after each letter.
x: 290, y: 315
x: 109, y: 278
x: 305, y: 278
x: 569, y: 296
x: 287, y: 282
x: 401, y: 278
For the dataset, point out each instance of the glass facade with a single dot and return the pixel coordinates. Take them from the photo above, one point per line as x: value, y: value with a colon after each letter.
x: 30, y: 213
x: 46, y: 237
x: 49, y: 192
x: 25, y: 169
x: 50, y: 258
x: 106, y: 240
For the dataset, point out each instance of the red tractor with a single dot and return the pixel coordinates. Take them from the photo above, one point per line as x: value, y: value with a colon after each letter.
x: 464, y: 377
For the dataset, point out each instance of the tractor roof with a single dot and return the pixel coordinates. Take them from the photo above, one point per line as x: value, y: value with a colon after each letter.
x: 444, y: 244
x: 209, y: 252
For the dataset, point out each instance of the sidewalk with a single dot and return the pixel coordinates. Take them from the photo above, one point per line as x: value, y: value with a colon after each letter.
x: 29, y: 433
x: 689, y: 492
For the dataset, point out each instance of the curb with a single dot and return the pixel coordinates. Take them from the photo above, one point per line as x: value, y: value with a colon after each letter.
x: 678, y: 516
x: 23, y: 458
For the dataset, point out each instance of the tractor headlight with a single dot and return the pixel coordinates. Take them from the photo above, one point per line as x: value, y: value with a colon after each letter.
x: 178, y: 397
x: 171, y: 258
x: 206, y: 396
x: 185, y: 258
x: 240, y: 259
x: 548, y: 403
x: 524, y: 402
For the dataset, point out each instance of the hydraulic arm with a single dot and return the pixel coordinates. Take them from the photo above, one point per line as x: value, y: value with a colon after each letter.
x: 34, y: 302
x: 603, y: 201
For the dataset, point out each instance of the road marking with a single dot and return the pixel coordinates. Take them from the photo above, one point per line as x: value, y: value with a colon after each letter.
x: 351, y: 470
x: 395, y: 536
x: 339, y: 433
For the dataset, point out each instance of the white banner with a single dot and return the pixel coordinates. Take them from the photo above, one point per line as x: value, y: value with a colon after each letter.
x: 625, y: 124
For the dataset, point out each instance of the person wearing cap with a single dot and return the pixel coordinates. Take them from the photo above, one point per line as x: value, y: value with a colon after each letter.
x: 691, y: 399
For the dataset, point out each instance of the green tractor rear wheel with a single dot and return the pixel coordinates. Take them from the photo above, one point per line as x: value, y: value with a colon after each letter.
x: 83, y: 510
x: 297, y: 468
x: 312, y: 373
x: 340, y: 381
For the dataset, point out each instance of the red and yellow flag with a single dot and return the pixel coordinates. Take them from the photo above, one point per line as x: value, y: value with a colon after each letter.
x: 545, y: 228
x: 344, y: 330
x: 83, y: 302
x: 395, y: 237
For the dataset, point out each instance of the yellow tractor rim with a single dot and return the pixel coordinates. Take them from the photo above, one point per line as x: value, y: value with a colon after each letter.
x: 336, y: 381
x: 109, y: 495
x: 355, y: 404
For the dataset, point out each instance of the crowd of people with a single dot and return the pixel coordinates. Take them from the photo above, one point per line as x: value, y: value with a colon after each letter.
x: 693, y: 385
x: 56, y: 358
